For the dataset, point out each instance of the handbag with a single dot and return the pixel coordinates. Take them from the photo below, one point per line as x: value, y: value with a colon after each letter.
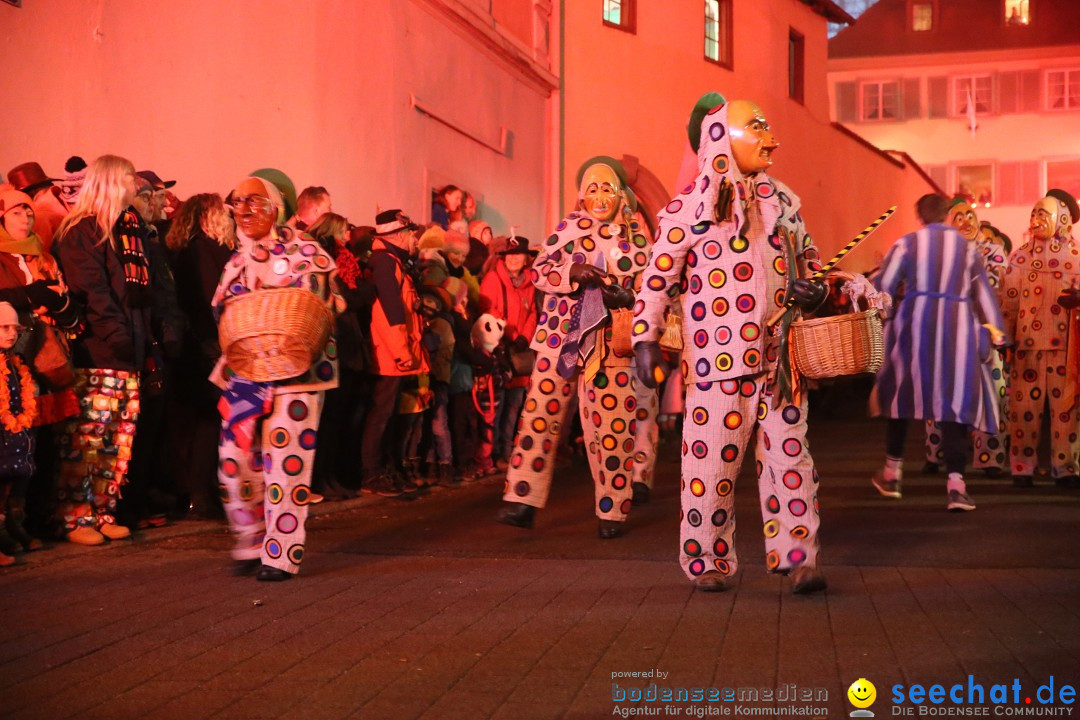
x: 622, y: 328
x: 521, y: 361
x: 50, y: 356
x: 672, y: 339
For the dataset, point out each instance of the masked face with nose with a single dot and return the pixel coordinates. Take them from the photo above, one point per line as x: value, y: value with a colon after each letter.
x: 752, y: 140
x: 1050, y: 217
x: 254, y: 211
x: 600, y: 192
x: 962, y: 217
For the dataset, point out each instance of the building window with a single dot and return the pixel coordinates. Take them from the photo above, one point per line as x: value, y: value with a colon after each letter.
x: 976, y: 89
x: 796, y: 47
x: 718, y: 38
x: 1017, y: 12
x: 922, y: 16
x: 976, y: 184
x: 1064, y: 174
x: 880, y: 100
x: 1063, y: 89
x: 621, y: 14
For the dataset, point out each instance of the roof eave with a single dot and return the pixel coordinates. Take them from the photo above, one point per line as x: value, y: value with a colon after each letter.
x: 830, y: 11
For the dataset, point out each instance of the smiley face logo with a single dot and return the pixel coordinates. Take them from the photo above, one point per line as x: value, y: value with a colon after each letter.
x: 862, y: 693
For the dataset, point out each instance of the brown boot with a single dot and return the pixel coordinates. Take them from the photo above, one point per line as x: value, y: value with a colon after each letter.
x: 83, y: 535
x: 6, y: 560
x: 807, y: 579
x: 114, y: 531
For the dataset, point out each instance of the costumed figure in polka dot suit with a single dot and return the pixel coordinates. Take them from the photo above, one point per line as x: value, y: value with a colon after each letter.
x: 990, y: 450
x: 1041, y: 298
x: 733, y: 247
x: 590, y: 266
x: 269, y: 429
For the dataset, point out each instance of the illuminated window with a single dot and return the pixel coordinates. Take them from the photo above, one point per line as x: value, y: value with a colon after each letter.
x: 1063, y: 89
x: 976, y: 184
x: 922, y: 17
x: 718, y: 32
x: 1064, y: 174
x: 880, y: 100
x: 1017, y: 12
x: 620, y: 14
x: 979, y: 89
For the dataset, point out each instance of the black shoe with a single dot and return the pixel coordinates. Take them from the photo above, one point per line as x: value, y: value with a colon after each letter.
x: 8, y: 544
x: 245, y: 567
x: 382, y: 485
x: 930, y: 468
x: 641, y: 493
x: 609, y: 529
x: 446, y: 476
x: 1069, y: 482
x: 806, y: 580
x: 1023, y: 481
x: 517, y: 514
x: 271, y: 574
x: 993, y: 472
x: 711, y: 581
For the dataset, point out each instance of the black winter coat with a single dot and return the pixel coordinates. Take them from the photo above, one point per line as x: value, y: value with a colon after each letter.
x: 116, y: 333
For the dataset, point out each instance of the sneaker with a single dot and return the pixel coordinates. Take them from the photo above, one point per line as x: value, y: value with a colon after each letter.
x: 888, y: 488
x: 960, y: 502
x: 381, y: 485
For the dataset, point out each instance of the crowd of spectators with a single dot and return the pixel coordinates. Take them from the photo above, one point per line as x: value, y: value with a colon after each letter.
x: 110, y: 422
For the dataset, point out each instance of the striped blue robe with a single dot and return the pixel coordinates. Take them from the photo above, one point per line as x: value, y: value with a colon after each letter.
x: 936, y: 351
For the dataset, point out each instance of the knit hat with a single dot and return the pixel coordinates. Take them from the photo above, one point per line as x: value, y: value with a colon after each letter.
x: 459, y: 226
x: 8, y: 316
x: 74, y: 177
x: 455, y: 242
x: 444, y: 298
x: 284, y: 185
x: 487, y: 331
x: 457, y: 289
x: 432, y: 238
x: 389, y: 222
x: 11, y: 197
x: 477, y: 228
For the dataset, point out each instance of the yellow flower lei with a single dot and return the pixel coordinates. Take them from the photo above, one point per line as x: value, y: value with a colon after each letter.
x: 17, y: 423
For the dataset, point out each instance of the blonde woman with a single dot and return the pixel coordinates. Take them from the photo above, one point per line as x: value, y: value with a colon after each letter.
x: 200, y: 242
x: 100, y: 247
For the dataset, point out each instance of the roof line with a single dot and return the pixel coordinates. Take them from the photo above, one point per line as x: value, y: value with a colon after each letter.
x: 867, y: 144
x: 831, y: 11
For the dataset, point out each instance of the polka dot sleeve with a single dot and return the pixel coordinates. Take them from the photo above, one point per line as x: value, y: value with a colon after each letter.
x: 660, y: 280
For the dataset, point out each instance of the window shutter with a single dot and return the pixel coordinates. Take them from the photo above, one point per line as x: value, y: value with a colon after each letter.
x: 938, y: 97
x: 1031, y: 91
x: 847, y: 101
x: 912, y: 99
x: 1007, y: 92
x: 1018, y: 183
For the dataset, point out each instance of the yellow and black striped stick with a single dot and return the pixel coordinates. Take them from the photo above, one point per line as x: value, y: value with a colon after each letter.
x: 820, y: 274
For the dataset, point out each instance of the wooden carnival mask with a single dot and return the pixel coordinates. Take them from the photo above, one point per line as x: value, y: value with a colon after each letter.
x: 752, y: 140
x: 962, y: 217
x: 601, y: 192
x: 1050, y: 217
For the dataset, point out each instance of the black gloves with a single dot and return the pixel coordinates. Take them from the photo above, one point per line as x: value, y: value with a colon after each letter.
x: 583, y: 274
x: 42, y: 294
x: 616, y: 297
x: 1069, y: 298
x: 651, y: 368
x: 809, y: 295
x: 520, y: 344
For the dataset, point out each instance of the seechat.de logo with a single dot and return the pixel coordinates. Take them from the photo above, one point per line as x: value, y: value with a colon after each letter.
x: 862, y: 695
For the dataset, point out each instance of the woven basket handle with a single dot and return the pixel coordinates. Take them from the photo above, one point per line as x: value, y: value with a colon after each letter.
x: 860, y: 302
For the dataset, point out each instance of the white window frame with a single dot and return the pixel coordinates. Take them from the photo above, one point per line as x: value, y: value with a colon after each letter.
x: 959, y: 98
x: 1071, y: 103
x: 880, y: 84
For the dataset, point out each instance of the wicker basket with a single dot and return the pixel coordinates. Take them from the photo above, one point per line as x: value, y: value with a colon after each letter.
x: 840, y: 345
x: 271, y: 335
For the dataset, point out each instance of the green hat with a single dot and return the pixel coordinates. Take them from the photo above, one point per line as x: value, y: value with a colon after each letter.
x: 284, y: 185
x: 705, y: 103
x: 631, y: 198
x: 603, y: 160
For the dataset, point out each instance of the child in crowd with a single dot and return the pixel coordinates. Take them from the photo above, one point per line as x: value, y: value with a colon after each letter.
x: 436, y: 304
x: 490, y: 368
x: 18, y: 408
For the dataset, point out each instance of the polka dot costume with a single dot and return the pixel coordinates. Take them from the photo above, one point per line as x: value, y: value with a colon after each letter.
x: 1041, y: 379
x: 720, y: 419
x: 611, y: 405
x: 266, y: 491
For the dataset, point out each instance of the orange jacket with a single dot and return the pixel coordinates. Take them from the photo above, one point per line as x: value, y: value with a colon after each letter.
x: 396, y: 328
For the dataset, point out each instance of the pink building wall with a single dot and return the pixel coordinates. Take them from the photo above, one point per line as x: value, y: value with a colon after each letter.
x: 204, y: 91
x: 843, y: 184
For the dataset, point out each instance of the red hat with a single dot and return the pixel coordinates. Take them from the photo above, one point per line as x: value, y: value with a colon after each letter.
x: 28, y: 176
